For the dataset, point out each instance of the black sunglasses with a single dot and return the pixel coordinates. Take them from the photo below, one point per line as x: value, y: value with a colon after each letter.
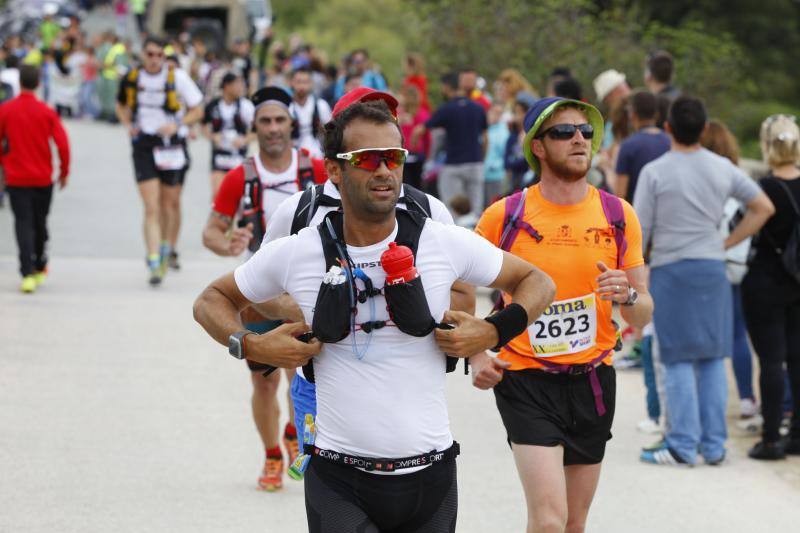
x: 565, y: 132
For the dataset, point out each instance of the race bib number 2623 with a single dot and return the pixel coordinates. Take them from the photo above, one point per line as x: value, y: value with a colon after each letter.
x: 567, y: 326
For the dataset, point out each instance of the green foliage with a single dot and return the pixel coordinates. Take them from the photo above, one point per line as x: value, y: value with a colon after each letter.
x: 383, y: 27
x: 740, y: 56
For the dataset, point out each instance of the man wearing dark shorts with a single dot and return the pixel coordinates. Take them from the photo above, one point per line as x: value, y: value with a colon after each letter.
x: 556, y: 396
x: 226, y: 122
x: 383, y: 458
x: 156, y: 103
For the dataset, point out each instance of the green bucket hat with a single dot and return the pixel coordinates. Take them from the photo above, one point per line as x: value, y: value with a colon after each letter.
x: 539, y: 113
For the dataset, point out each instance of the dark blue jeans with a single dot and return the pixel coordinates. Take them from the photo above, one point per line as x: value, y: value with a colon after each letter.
x: 653, y: 406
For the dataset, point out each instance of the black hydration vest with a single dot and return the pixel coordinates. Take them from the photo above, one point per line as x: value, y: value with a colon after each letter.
x: 252, y: 202
x: 216, y: 116
x: 316, y: 123
x: 335, y: 308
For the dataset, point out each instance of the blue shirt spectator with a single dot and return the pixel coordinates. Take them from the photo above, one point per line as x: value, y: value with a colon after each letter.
x: 636, y: 151
x: 464, y: 121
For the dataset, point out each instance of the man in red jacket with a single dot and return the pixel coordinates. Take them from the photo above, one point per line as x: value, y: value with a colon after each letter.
x: 26, y: 127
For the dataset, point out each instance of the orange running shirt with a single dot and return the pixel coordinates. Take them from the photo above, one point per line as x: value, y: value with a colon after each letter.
x: 577, y: 327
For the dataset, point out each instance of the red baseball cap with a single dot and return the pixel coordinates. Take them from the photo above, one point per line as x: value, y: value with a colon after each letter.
x: 365, y: 94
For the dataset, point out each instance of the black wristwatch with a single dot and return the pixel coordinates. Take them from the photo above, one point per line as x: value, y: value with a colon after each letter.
x: 633, y: 296
x: 236, y: 343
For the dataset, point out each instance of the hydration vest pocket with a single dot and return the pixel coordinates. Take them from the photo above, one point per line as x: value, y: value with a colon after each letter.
x: 408, y: 307
x: 332, y: 312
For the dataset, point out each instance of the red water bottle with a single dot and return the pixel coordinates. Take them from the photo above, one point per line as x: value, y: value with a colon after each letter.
x: 398, y: 263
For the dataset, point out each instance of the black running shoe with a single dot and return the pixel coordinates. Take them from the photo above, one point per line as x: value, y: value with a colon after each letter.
x: 767, y: 451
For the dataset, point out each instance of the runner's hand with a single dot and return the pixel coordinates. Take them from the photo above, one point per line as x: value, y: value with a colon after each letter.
x: 133, y: 131
x: 487, y: 371
x: 470, y: 336
x: 612, y: 284
x: 239, y: 142
x: 62, y: 181
x: 240, y: 238
x: 281, y: 348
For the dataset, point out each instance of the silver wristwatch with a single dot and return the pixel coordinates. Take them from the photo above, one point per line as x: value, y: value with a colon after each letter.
x: 633, y: 296
x: 236, y: 344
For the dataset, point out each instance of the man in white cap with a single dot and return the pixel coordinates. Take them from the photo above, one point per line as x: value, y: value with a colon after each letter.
x: 610, y: 87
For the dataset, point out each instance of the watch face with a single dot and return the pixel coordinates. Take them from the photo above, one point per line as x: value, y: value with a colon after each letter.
x: 632, y: 296
x: 235, y: 346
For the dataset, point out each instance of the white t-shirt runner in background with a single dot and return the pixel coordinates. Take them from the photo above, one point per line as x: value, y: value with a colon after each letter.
x: 226, y: 114
x: 392, y: 402
x: 150, y: 114
x: 305, y: 117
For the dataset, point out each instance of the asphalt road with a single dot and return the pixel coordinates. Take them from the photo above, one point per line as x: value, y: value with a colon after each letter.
x: 118, y: 413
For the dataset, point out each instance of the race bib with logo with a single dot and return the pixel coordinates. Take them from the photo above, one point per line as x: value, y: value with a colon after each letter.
x: 566, y: 327
x: 227, y: 161
x: 169, y: 157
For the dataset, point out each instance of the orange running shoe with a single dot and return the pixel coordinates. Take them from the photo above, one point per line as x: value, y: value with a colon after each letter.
x: 272, y: 477
x: 292, y: 447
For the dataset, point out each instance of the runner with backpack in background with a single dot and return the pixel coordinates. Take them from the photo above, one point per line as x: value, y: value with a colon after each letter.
x: 227, y: 120
x: 157, y: 103
x: 250, y: 193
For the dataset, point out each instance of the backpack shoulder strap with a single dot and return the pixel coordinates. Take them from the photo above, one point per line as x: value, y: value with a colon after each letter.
x: 252, y: 184
x: 306, y: 208
x: 789, y: 194
x: 409, y: 228
x: 305, y: 169
x: 250, y: 172
x: 331, y: 230
x: 615, y: 216
x: 238, y: 122
x: 416, y: 200
x: 513, y: 220
x: 315, y: 117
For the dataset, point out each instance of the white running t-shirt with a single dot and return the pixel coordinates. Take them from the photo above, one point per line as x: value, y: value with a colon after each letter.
x: 391, y: 403
x: 150, y: 114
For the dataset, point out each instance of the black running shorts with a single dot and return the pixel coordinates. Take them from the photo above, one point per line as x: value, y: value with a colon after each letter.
x: 343, y: 499
x: 144, y: 165
x: 544, y: 409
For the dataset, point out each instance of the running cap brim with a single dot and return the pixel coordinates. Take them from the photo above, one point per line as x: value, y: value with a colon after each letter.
x: 364, y: 94
x: 541, y: 111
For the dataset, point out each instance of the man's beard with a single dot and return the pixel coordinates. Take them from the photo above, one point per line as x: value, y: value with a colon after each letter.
x: 569, y: 172
x: 273, y: 149
x: 359, y: 201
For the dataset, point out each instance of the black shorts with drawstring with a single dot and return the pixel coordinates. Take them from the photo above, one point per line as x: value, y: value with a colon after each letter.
x: 545, y: 409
